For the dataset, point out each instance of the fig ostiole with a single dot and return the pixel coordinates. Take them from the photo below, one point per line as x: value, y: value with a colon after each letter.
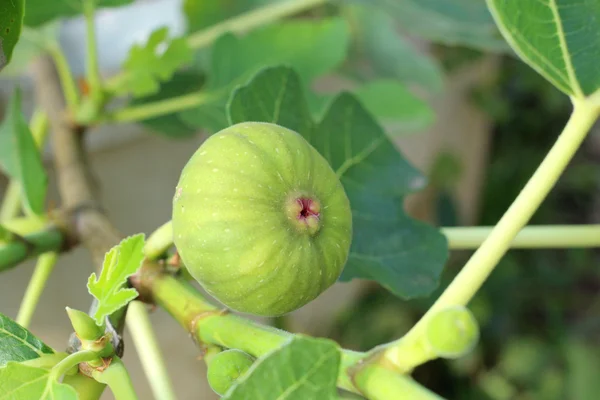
x: 225, y: 368
x: 261, y: 220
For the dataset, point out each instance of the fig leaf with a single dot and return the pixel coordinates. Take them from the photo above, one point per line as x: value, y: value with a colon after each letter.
x: 18, y: 344
x: 20, y: 157
x: 404, y: 255
x: 147, y: 66
x: 120, y: 263
x: 21, y: 382
x: 305, y: 368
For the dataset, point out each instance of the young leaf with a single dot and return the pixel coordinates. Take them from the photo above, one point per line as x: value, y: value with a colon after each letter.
x: 390, y: 54
x: 120, y: 263
x: 313, y: 48
x: 457, y: 22
x: 11, y: 19
x: 404, y: 255
x: 18, y: 344
x: 154, y: 62
x: 38, y: 12
x: 559, y: 39
x: 303, y: 368
x: 20, y: 158
x: 22, y: 382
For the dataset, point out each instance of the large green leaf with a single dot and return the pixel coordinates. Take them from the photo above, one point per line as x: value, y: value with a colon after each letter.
x: 202, y: 14
x: 22, y: 382
x: 390, y: 101
x: 390, y: 54
x: 452, y: 22
x: 20, y: 157
x: 18, y: 344
x: 558, y: 38
x: 303, y: 368
x: 404, y: 255
x: 11, y: 19
x: 38, y: 12
x: 313, y: 48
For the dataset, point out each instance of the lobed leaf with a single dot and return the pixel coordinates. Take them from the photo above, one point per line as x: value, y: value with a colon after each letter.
x: 389, y: 53
x: 404, y: 255
x: 20, y: 157
x: 22, y: 382
x: 303, y: 368
x: 457, y: 22
x: 120, y: 263
x: 557, y: 38
x: 18, y: 344
x: 155, y: 62
x: 11, y: 20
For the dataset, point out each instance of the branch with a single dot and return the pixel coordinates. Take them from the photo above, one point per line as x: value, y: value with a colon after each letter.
x: 78, y: 194
x: 210, y: 325
x: 23, y: 247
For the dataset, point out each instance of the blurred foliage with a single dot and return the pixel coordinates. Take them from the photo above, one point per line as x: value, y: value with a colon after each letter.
x: 539, y: 310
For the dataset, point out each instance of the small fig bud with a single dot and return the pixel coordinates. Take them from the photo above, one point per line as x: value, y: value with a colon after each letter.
x: 225, y: 368
x: 452, y: 332
x: 261, y: 220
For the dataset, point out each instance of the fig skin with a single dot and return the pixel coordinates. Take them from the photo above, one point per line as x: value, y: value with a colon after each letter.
x: 261, y: 220
x: 225, y: 368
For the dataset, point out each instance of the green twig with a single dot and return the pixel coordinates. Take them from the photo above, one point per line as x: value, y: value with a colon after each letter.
x: 92, y: 70
x: 22, y: 248
x: 213, y: 326
x: 530, y: 237
x: 67, y: 81
x: 483, y: 261
x: 71, y: 361
x: 158, y: 108
x: 148, y: 351
x: 159, y: 241
x: 251, y: 19
x: 117, y: 378
x: 379, y: 383
x: 43, y: 269
x: 64, y: 71
x: 87, y: 388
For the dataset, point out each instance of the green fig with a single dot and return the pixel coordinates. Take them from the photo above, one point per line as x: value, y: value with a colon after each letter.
x: 261, y: 220
x: 225, y: 368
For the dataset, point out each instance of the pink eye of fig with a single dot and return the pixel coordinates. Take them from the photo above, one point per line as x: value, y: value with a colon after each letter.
x: 261, y: 220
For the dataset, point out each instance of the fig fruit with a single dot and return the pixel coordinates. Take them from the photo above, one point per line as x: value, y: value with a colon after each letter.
x: 261, y: 220
x: 225, y: 368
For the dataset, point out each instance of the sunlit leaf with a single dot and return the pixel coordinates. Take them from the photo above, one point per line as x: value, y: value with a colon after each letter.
x: 303, y: 368
x: 558, y: 38
x: 120, y: 263
x: 18, y: 344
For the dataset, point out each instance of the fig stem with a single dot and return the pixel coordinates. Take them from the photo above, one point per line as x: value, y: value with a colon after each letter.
x: 147, y: 347
x: 159, y: 241
x: 530, y: 237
